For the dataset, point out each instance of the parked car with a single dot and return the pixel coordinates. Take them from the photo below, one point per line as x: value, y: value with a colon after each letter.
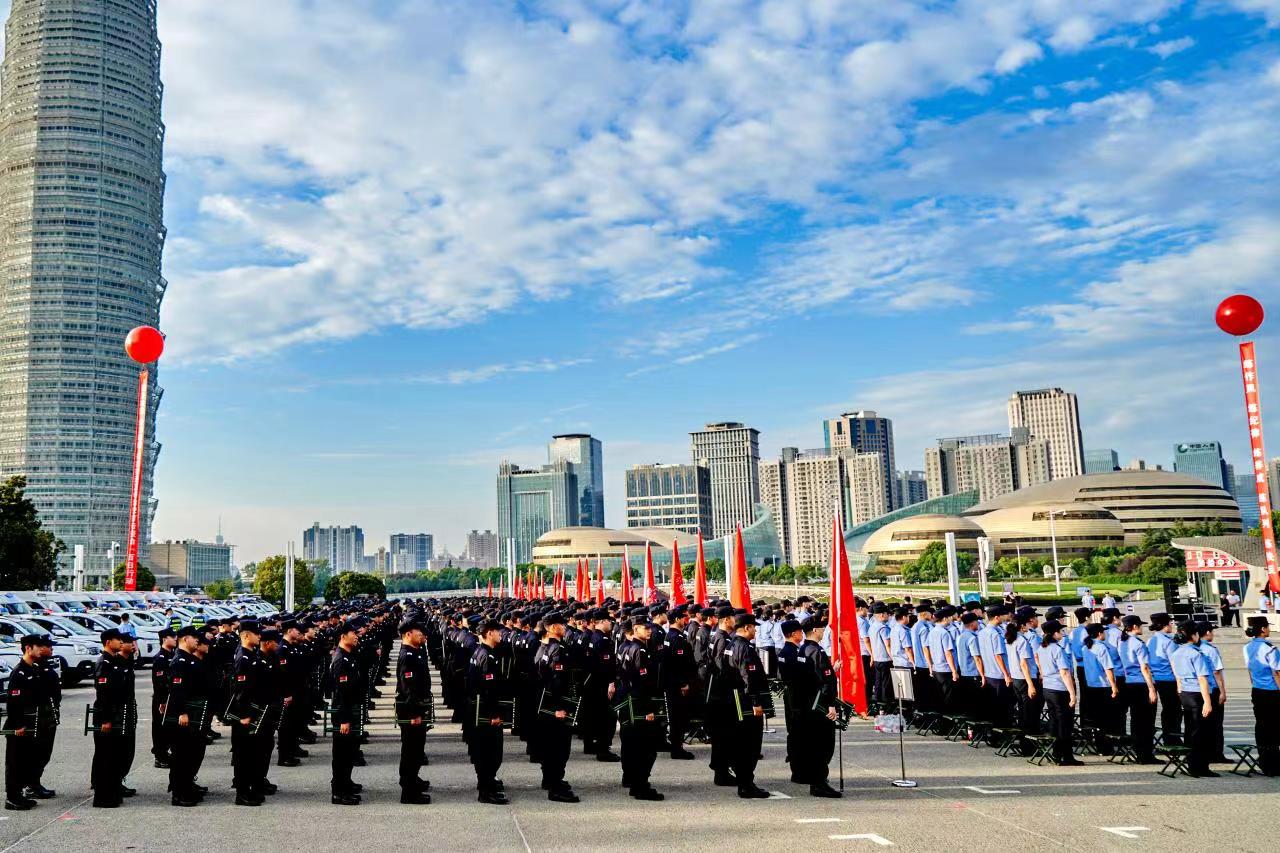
x: 77, y: 655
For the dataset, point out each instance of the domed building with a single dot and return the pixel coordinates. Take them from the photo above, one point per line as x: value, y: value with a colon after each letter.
x: 903, y: 541
x: 1027, y: 530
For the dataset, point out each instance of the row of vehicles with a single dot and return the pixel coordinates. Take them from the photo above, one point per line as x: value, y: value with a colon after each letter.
x: 75, y: 621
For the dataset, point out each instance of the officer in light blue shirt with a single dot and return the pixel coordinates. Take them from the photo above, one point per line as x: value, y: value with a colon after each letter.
x: 998, y: 684
x: 1111, y: 619
x: 1057, y: 677
x: 1263, y: 661
x: 1159, y: 649
x: 900, y: 647
x: 881, y: 657
x: 1138, y: 694
x: 1216, y: 721
x: 1195, y: 675
x: 969, y: 660
x: 920, y: 635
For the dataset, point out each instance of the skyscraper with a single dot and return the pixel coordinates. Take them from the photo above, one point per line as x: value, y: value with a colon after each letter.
x: 913, y: 488
x: 991, y: 465
x: 482, y: 548
x: 731, y: 452
x: 1203, y: 459
x: 532, y: 502
x: 419, y: 546
x: 343, y: 547
x: 866, y: 432
x: 677, y: 497
x: 587, y: 457
x: 81, y: 237
x: 1053, y: 415
x: 1101, y: 461
x: 1245, y: 491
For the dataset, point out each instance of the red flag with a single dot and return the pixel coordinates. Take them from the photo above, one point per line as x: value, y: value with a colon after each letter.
x: 599, y: 581
x: 650, y: 585
x: 583, y: 580
x: 542, y: 585
x: 501, y: 587
x: 677, y: 577
x: 845, y: 646
x: 739, y: 589
x: 700, y: 577
x: 628, y: 594
x: 488, y: 592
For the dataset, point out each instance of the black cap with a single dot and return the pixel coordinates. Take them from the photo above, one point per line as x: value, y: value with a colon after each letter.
x: 744, y: 620
x: 109, y: 635
x: 1132, y: 621
x: 1108, y: 612
x: 997, y: 610
x: 1050, y: 627
x: 288, y: 625
x: 31, y: 640
x: 250, y: 626
x: 679, y: 611
x: 724, y: 612
x: 1055, y: 612
x: 271, y: 635
x: 165, y: 632
x: 553, y: 619
x: 790, y: 626
x: 1026, y: 610
x: 969, y: 618
x: 879, y: 607
x: 409, y: 625
x: 189, y: 631
x: 944, y: 611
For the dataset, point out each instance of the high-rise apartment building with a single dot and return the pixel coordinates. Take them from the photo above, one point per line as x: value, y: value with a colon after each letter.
x: 1203, y: 459
x: 991, y: 465
x: 531, y: 502
x: 1052, y: 415
x: 343, y: 547
x: 587, y: 457
x: 420, y: 547
x: 81, y: 238
x: 913, y: 488
x: 731, y: 452
x: 866, y: 432
x: 805, y: 490
x: 1101, y: 461
x: 676, y: 497
x: 482, y: 548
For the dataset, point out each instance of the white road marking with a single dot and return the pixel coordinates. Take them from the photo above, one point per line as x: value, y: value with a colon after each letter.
x: 866, y: 836
x: 1125, y: 831
x: 819, y: 820
x: 778, y: 795
x: 980, y: 790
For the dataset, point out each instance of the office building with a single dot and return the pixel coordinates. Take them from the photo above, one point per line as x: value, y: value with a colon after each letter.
x: 913, y: 488
x: 991, y: 465
x: 343, y: 547
x: 675, y: 497
x: 82, y: 233
x: 1203, y: 459
x: 587, y: 457
x: 866, y: 432
x: 189, y: 563
x: 379, y: 562
x: 531, y: 502
x: 420, y: 546
x: 1052, y: 415
x: 1101, y: 461
x: 731, y: 453
x: 1244, y: 490
x: 482, y: 548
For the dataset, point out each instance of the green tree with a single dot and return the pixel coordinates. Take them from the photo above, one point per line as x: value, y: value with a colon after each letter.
x: 146, y: 579
x: 1275, y: 519
x: 219, y: 590
x: 931, y: 566
x: 351, y: 584
x: 321, y: 572
x: 28, y: 552
x: 268, y: 580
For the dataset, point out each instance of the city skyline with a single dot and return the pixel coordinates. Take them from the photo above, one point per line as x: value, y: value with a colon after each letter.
x: 1028, y: 210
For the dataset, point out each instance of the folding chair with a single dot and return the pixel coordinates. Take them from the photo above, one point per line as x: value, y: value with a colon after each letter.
x: 1006, y: 741
x: 1248, y: 758
x: 1043, y: 749
x: 1086, y: 740
x: 1176, y: 758
x: 1122, y: 750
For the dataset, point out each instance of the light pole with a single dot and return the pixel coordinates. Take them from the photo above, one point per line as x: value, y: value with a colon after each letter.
x: 1053, y: 541
x: 111, y: 565
x: 1018, y: 548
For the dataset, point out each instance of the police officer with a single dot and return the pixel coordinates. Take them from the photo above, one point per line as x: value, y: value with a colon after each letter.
x: 48, y: 717
x: 1138, y: 694
x: 487, y: 689
x: 413, y: 704
x: 1263, y: 661
x: 602, y: 671
x: 160, y: 746
x: 637, y: 693
x: 1195, y: 677
x: 293, y: 670
x: 348, y: 713
x: 115, y: 713
x: 679, y: 675
x: 249, y: 703
x: 1057, y: 678
x: 1160, y: 649
x: 811, y: 692
x: 747, y: 689
x: 186, y: 706
x: 24, y: 699
x: 721, y: 719
x: 552, y: 728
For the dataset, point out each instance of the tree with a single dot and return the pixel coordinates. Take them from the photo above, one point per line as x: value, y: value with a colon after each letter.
x: 28, y: 552
x: 146, y: 578
x: 219, y: 590
x: 352, y: 584
x: 321, y: 572
x: 268, y: 581
x: 931, y: 566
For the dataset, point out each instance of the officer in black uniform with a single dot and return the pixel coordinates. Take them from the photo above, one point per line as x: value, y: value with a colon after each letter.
x: 602, y: 669
x: 720, y: 715
x: 413, y: 703
x: 487, y: 688
x: 29, y: 703
x: 295, y: 683
x: 788, y: 661
x: 251, y: 693
x: 160, y: 746
x: 638, y: 692
x: 679, y: 675
x: 811, y: 692
x: 745, y: 689
x: 553, y: 726
x: 348, y: 713
x: 115, y: 713
x: 49, y: 716
x: 186, y: 706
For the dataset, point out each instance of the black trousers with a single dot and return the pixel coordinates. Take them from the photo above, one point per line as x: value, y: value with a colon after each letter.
x: 1170, y: 712
x: 1266, y: 711
x: 345, y: 748
x: 816, y: 744
x: 484, y: 746
x: 639, y: 752
x: 884, y: 682
x: 555, y: 740
x: 41, y: 754
x: 997, y: 697
x: 246, y: 763
x: 679, y: 712
x: 946, y: 686
x: 1100, y: 712
x: 112, y: 758
x: 187, y: 744
x: 969, y: 696
x: 720, y: 721
x: 18, y: 759
x: 1142, y: 718
x: 748, y: 737
x: 1061, y: 723
x: 413, y: 744
x: 868, y: 677
x: 1196, y: 736
x: 1215, y: 742
x: 291, y: 723
x: 1028, y: 706
x: 923, y: 686
x: 160, y: 746
x: 600, y: 722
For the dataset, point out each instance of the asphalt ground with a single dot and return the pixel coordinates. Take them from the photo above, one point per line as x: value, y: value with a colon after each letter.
x: 967, y: 797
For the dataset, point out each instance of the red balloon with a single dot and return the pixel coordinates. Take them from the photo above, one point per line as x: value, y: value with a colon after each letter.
x: 1239, y: 315
x: 144, y: 344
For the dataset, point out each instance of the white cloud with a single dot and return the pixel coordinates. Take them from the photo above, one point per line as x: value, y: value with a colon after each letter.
x: 1018, y: 55
x: 1073, y: 34
x: 1166, y: 49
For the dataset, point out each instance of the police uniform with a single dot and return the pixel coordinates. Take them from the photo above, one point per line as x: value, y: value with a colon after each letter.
x: 115, y: 708
x: 250, y: 699
x: 1263, y: 660
x: 188, y: 696
x: 160, y: 746
x: 27, y: 702
x: 553, y: 733
x: 679, y: 676
x: 413, y: 703
x: 348, y: 710
x: 812, y: 690
x: 746, y: 691
x: 602, y: 671
x: 637, y: 695
x: 487, y: 689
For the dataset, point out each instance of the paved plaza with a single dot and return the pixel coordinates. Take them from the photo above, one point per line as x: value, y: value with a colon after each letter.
x: 966, y: 797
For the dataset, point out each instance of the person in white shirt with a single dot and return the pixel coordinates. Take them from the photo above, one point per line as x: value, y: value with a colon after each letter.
x: 1087, y: 599
x: 1108, y: 600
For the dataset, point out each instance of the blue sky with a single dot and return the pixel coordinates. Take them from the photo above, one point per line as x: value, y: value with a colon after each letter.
x: 410, y: 238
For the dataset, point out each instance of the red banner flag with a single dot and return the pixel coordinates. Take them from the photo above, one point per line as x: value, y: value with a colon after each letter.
x: 488, y: 592
x: 650, y: 584
x: 700, y: 577
x: 599, y: 581
x: 739, y: 589
x: 677, y: 577
x: 846, y: 655
x: 628, y: 594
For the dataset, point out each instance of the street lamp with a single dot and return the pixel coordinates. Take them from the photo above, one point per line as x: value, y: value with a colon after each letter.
x: 1053, y: 540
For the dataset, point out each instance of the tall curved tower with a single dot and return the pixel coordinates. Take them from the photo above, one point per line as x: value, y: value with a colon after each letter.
x: 81, y: 238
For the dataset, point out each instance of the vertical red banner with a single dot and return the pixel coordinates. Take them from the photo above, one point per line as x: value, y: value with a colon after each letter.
x: 135, y: 493
x: 1253, y: 409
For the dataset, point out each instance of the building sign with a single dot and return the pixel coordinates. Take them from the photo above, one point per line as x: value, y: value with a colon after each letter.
x: 1232, y: 575
x: 1209, y: 560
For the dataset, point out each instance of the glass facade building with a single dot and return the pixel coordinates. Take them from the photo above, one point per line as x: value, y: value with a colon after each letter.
x: 1203, y: 459
x: 190, y: 563
x: 1101, y: 461
x: 677, y: 497
x: 586, y: 454
x: 81, y: 238
x: 530, y: 503
x: 420, y: 548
